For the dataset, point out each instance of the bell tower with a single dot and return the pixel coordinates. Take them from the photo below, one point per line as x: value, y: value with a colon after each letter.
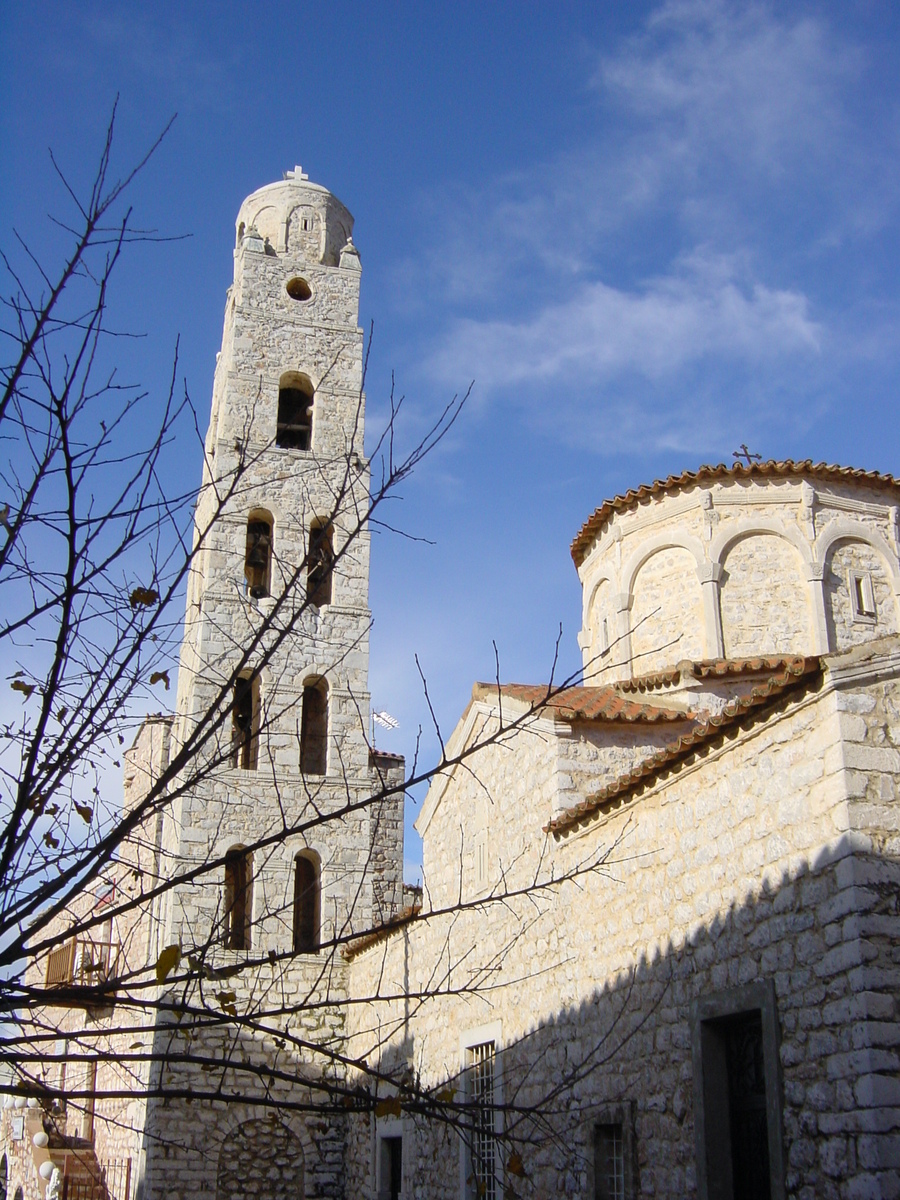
x: 277, y: 618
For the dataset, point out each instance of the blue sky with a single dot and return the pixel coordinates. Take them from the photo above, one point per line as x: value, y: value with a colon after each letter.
x: 648, y: 233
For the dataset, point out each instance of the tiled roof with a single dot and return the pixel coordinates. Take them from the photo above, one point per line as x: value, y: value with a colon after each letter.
x: 579, y: 703
x: 367, y: 940
x: 711, y: 668
x: 796, y: 674
x: 707, y: 474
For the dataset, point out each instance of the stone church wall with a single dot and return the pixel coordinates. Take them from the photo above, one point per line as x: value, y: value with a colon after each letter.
x: 759, y: 862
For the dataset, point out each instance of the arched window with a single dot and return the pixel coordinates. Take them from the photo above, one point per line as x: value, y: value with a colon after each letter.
x: 306, y: 904
x: 245, y: 722
x: 320, y: 563
x: 240, y: 233
x: 258, y: 553
x: 238, y: 898
x: 295, y: 407
x: 314, y: 728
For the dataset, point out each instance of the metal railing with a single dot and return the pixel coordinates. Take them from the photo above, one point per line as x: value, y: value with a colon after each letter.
x: 113, y: 1182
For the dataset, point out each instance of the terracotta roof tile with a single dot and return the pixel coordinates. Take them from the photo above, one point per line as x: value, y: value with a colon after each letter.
x: 580, y: 703
x: 367, y: 940
x: 711, y: 668
x: 708, y: 473
x: 797, y: 674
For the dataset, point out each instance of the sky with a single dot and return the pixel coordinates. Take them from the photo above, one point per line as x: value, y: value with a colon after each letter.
x: 645, y: 233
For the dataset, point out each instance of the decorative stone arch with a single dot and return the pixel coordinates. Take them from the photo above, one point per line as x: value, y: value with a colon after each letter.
x: 673, y: 540
x: 303, y: 231
x: 845, y: 529
x: 594, y: 652
x: 853, y: 553
x: 591, y: 587
x: 263, y: 1157
x: 267, y: 220
x: 746, y: 527
x: 784, y: 617
x: 682, y: 626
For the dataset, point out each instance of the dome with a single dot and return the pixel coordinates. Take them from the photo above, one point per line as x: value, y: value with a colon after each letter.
x: 297, y: 218
x: 736, y: 562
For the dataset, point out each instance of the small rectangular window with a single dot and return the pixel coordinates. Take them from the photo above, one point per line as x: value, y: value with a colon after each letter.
x: 481, y: 859
x: 390, y: 1176
x: 609, y: 1162
x: 862, y: 596
x: 604, y: 636
x: 614, y: 1157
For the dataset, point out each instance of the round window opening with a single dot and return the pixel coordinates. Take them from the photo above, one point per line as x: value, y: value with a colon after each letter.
x: 299, y: 289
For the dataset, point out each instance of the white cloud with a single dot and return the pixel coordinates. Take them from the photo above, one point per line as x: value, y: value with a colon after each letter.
x: 699, y: 311
x: 673, y: 269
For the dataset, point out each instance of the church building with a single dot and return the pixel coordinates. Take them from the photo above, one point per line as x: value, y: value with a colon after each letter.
x: 655, y: 952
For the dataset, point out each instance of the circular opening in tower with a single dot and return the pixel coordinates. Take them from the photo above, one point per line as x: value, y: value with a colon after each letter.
x: 299, y: 289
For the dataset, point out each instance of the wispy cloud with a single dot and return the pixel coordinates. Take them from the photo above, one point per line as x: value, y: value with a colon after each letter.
x: 687, y: 228
x: 700, y: 310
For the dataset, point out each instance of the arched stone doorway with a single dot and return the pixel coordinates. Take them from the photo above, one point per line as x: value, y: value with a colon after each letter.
x: 260, y: 1160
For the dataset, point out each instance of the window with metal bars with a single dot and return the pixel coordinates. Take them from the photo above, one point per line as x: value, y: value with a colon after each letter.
x: 481, y: 1179
x: 609, y: 1162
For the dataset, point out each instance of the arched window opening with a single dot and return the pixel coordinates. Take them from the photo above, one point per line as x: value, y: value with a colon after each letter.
x: 238, y: 898
x: 245, y: 722
x: 240, y: 234
x: 258, y: 554
x: 295, y: 407
x: 306, y: 904
x: 320, y: 563
x: 314, y: 728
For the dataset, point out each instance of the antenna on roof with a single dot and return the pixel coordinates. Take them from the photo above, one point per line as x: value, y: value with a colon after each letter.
x: 385, y: 720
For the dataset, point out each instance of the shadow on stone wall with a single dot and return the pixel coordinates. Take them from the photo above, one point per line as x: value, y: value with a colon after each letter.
x: 827, y: 938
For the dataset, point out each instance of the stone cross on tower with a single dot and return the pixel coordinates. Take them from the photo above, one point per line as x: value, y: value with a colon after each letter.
x: 298, y: 173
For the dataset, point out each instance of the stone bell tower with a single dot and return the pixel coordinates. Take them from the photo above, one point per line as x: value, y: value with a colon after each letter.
x: 282, y: 543
x: 276, y: 644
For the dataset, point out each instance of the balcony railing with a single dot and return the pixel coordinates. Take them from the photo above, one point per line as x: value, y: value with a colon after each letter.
x: 114, y: 1182
x: 82, y: 963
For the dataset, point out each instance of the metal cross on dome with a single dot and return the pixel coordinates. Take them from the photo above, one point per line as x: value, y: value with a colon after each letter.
x: 744, y: 452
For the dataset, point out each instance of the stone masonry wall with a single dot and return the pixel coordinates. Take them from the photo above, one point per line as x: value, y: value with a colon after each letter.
x: 756, y: 862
